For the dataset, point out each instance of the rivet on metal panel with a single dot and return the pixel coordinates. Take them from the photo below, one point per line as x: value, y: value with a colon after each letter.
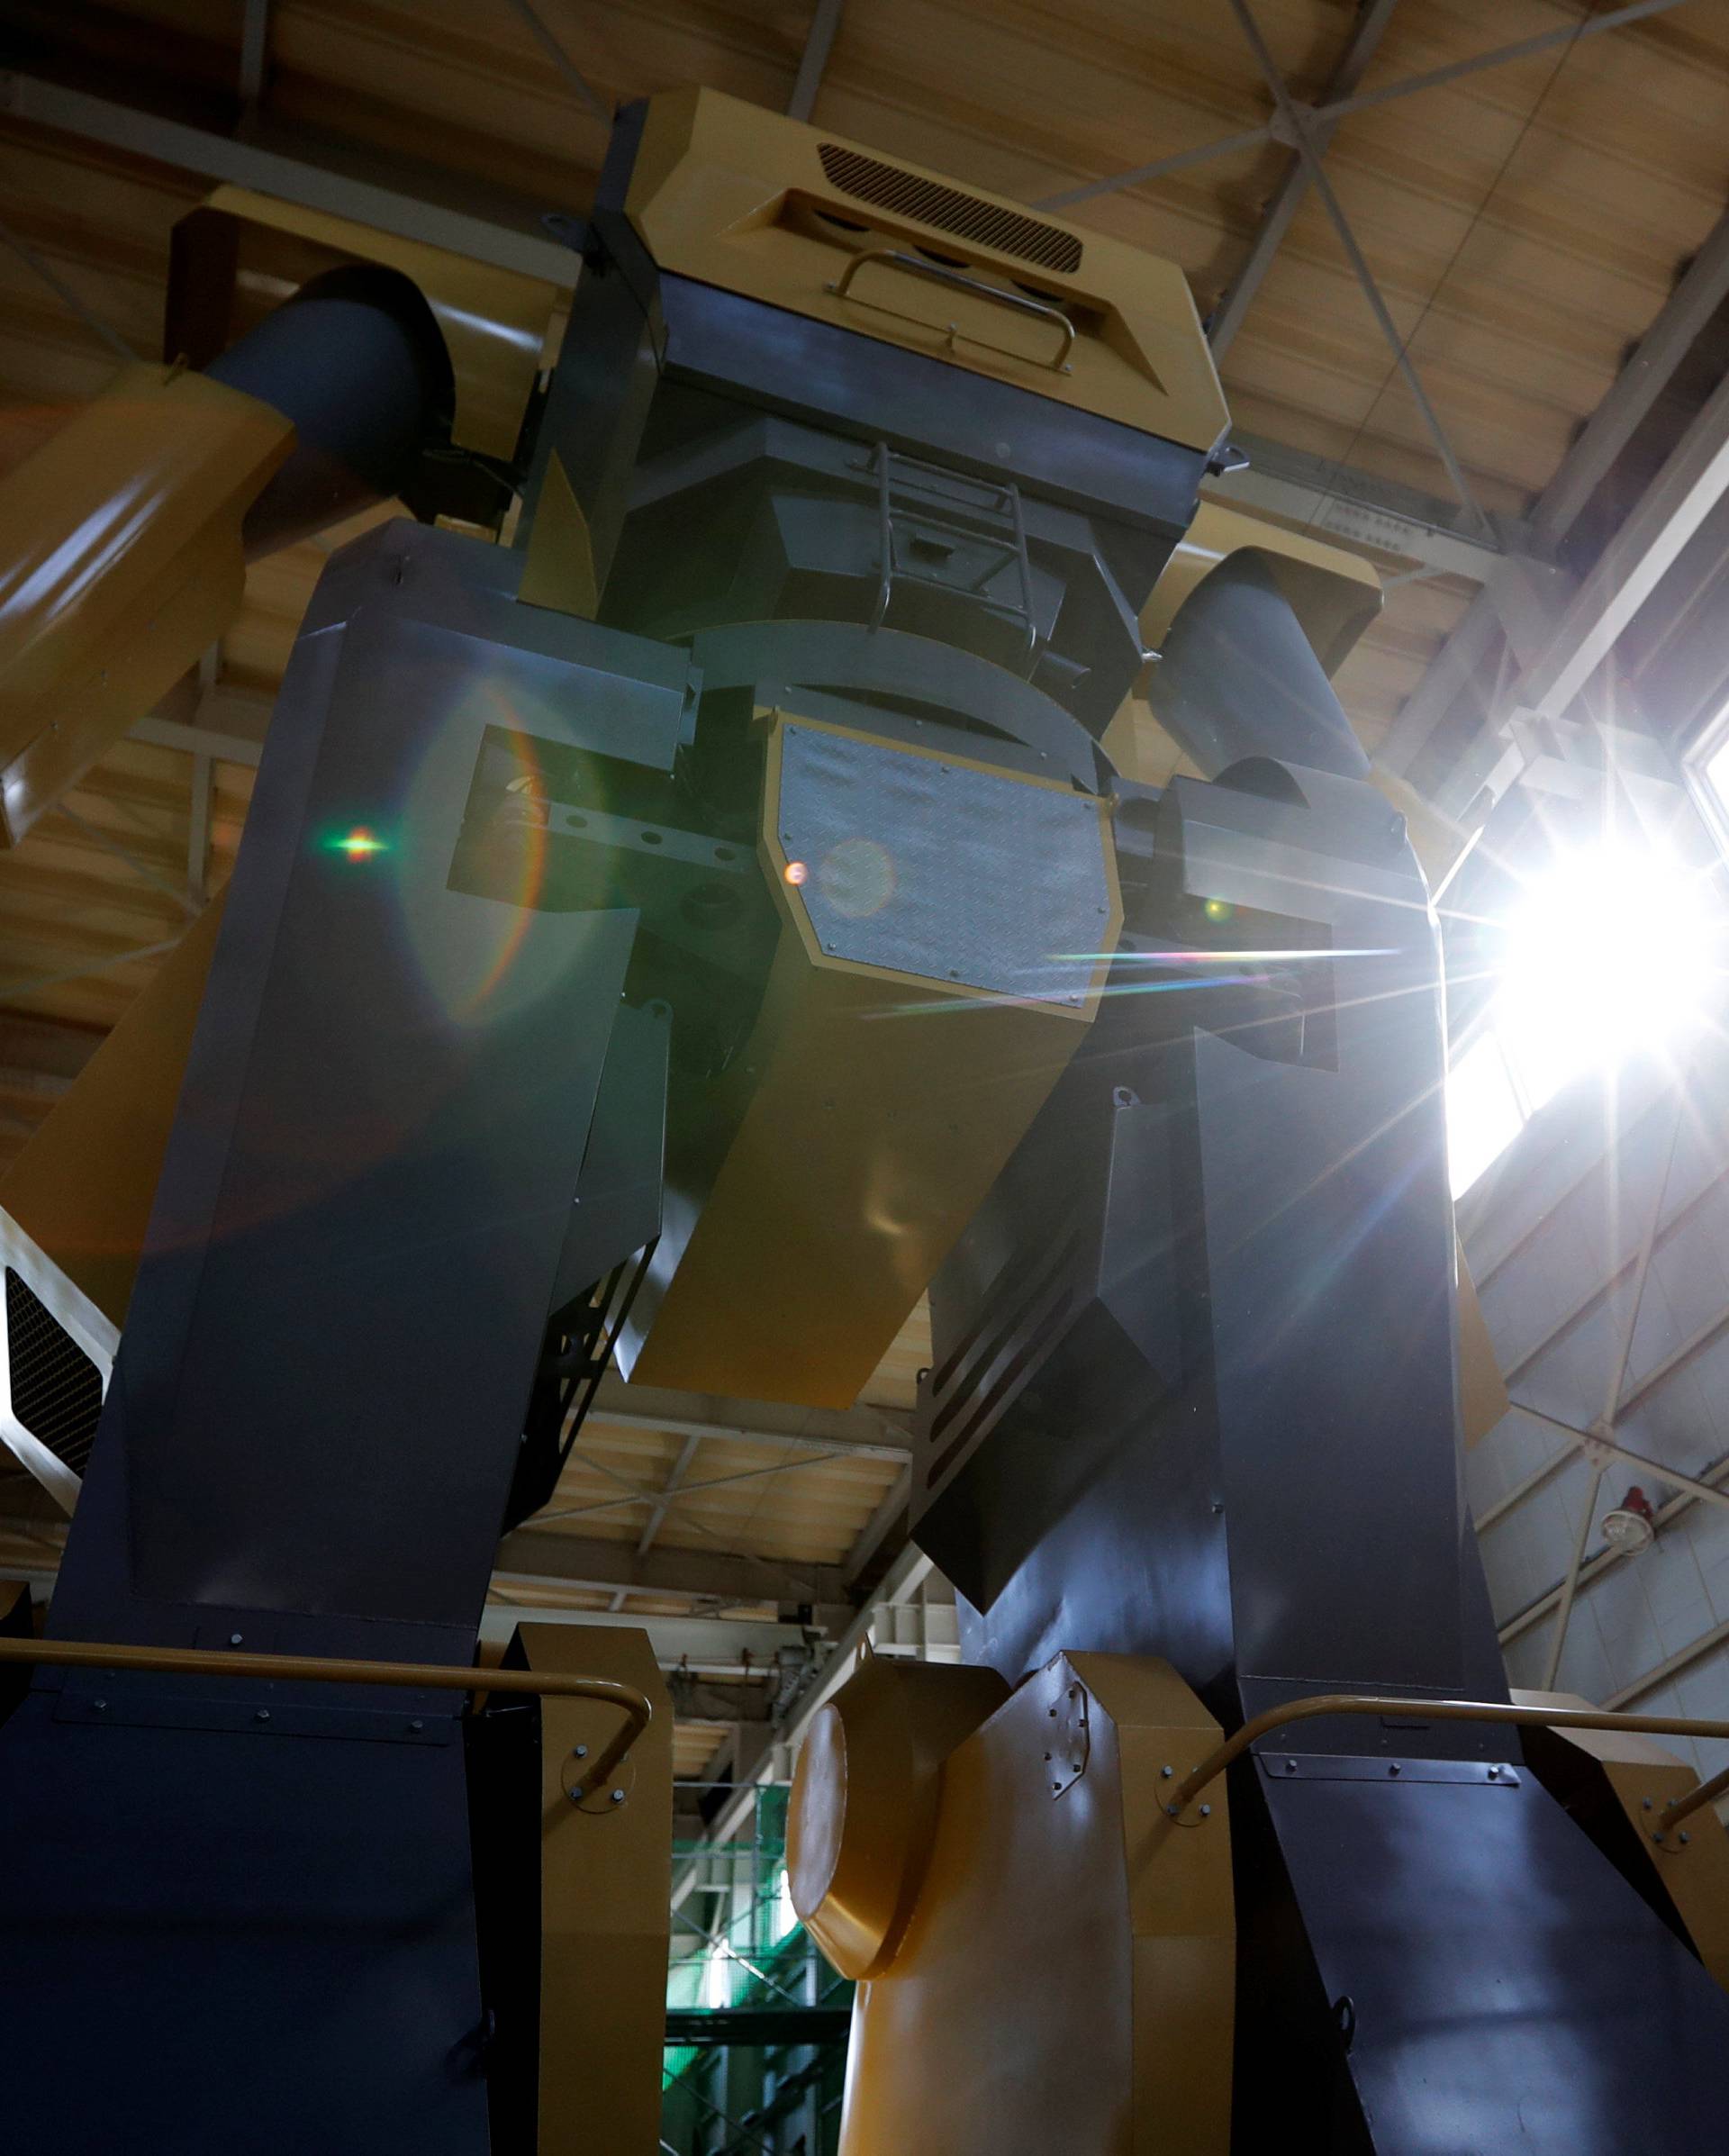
x: 234, y: 1638
x: 100, y: 1706
x: 1164, y: 1772
x: 618, y: 1796
x: 417, y: 1725
x: 1290, y: 1767
x: 1206, y: 1811
x: 1393, y: 1768
x: 262, y: 1715
x: 1685, y: 1839
x: 581, y: 1752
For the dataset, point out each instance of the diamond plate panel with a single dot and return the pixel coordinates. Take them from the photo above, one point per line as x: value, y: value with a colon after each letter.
x: 979, y: 878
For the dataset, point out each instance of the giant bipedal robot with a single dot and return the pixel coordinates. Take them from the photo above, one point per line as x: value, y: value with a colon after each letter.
x: 677, y: 939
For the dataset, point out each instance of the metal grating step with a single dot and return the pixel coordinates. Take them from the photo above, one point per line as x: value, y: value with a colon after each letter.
x: 55, y: 1387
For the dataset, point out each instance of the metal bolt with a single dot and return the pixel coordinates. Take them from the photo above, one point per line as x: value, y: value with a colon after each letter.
x: 618, y: 1796
x: 1394, y: 1768
x: 1165, y: 1773
x: 100, y: 1706
x: 234, y: 1639
x: 1493, y: 1772
x: 1047, y: 1755
x: 263, y: 1715
x: 417, y: 1725
x: 577, y: 1794
x: 1206, y: 1811
x: 1656, y: 1834
x: 1644, y: 1803
x: 1291, y: 1766
x: 1685, y: 1839
x: 1171, y: 1809
x: 581, y: 1752
x: 1053, y: 1713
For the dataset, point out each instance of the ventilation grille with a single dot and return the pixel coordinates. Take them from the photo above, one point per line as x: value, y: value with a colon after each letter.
x: 868, y: 179
x: 55, y: 1387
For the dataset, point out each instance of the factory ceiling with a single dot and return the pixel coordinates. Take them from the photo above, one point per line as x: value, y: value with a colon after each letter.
x: 1425, y: 280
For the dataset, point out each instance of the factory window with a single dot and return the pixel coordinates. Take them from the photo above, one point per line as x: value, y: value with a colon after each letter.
x: 1707, y: 769
x: 1484, y: 1114
x: 1615, y: 949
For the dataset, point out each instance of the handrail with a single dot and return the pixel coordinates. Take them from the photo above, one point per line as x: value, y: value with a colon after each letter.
x: 331, y: 1668
x: 892, y: 258
x: 1318, y: 1703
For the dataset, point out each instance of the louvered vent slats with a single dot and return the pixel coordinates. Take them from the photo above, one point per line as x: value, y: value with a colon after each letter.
x: 869, y: 179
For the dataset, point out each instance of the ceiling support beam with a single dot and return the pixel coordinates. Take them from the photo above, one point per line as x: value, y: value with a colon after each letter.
x: 1699, y: 293
x: 561, y: 60
x: 255, y: 51
x: 819, y: 41
x: 867, y: 1433
x: 306, y: 174
x: 1227, y: 318
x: 1340, y: 108
x: 1297, y: 125
x: 541, y: 1556
x: 1690, y: 485
x: 1375, y: 516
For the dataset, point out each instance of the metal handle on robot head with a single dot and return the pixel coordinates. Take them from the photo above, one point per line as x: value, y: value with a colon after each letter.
x: 937, y: 274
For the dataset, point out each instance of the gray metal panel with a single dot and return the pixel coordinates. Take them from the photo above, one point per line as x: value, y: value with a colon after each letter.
x: 318, y: 1401
x: 1508, y: 1989
x: 876, y: 391
x: 214, y: 1943
x: 943, y: 870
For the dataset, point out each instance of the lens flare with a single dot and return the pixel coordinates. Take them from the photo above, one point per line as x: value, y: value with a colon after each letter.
x: 359, y: 842
x: 1613, y: 950
x: 795, y: 873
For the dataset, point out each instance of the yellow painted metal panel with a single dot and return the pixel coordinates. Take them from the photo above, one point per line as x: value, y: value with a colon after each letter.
x: 82, y: 1186
x: 733, y: 195
x: 120, y: 563
x: 605, y: 1896
x: 880, y: 1107
x: 1065, y: 1930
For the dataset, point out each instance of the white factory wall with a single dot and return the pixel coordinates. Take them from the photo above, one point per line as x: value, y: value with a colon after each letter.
x: 1545, y: 1233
